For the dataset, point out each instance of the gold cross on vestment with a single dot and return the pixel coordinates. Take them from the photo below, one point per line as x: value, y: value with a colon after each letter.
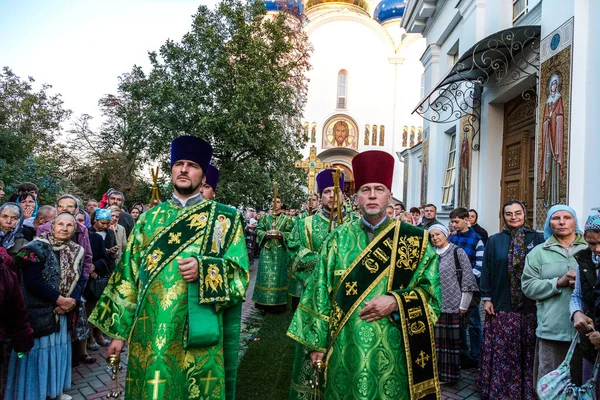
x: 156, y: 382
x: 351, y: 289
x: 174, y: 238
x: 422, y: 360
x: 104, y: 306
x: 208, y: 379
x: 311, y: 165
x: 144, y: 319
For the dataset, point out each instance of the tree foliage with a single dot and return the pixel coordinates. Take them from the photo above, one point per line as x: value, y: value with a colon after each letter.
x: 237, y: 79
x: 30, y: 121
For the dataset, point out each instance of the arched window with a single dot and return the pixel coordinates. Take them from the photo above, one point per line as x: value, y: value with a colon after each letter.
x: 342, y: 89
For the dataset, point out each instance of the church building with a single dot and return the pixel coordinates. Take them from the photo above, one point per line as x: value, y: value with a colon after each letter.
x: 510, y: 96
x: 366, y: 77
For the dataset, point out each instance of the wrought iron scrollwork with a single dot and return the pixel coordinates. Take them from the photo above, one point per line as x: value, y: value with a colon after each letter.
x: 453, y: 102
x: 504, y: 58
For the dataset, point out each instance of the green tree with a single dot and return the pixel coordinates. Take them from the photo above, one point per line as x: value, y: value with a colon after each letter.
x: 238, y: 80
x: 30, y: 121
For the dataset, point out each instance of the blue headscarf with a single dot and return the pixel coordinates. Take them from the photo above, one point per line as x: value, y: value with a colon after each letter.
x: 102, y: 214
x: 7, y: 239
x: 559, y: 207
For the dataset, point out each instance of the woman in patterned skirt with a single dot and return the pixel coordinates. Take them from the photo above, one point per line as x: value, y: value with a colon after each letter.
x: 458, y: 284
x: 506, y: 365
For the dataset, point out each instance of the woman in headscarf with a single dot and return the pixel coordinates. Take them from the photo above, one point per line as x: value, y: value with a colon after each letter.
x: 84, y: 218
x: 103, y: 241
x: 458, y: 284
x: 52, y: 279
x: 11, y: 228
x: 584, y: 314
x: 506, y: 366
x: 549, y: 278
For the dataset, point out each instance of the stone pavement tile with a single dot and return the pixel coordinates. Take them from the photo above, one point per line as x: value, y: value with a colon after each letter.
x: 99, y: 395
x: 466, y: 392
x: 450, y: 396
x: 87, y: 391
x: 77, y: 396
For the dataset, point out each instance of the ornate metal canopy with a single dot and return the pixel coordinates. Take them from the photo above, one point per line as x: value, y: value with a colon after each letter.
x: 503, y: 58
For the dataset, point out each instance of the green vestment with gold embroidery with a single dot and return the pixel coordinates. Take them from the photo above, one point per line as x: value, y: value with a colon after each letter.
x: 369, y: 360
x: 183, y: 338
x: 305, y: 244
x: 271, y: 287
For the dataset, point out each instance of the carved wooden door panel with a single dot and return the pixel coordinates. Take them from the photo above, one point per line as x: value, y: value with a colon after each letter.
x: 518, y: 153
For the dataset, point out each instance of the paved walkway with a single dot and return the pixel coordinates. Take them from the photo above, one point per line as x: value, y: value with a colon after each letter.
x: 91, y: 381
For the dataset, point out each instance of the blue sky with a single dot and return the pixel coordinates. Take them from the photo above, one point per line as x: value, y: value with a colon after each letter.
x: 80, y: 47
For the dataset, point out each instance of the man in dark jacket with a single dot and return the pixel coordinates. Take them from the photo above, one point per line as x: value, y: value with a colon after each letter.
x: 429, y: 216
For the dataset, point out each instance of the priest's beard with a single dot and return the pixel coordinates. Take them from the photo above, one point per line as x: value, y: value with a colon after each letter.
x: 187, y: 190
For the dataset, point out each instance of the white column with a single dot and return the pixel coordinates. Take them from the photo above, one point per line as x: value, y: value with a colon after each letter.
x: 584, y: 161
x: 431, y: 62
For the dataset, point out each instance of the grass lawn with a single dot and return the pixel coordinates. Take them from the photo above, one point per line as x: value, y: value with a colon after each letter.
x: 266, y: 367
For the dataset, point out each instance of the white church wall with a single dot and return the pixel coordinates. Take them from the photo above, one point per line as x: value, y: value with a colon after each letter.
x: 362, y: 54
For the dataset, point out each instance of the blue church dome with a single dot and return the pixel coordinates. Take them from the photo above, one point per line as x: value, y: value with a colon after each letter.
x: 389, y: 9
x: 296, y: 7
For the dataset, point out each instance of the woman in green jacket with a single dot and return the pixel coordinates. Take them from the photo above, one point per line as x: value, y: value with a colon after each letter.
x: 548, y: 278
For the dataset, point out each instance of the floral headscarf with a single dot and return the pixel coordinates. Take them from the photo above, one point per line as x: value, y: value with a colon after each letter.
x: 69, y: 255
x: 7, y: 239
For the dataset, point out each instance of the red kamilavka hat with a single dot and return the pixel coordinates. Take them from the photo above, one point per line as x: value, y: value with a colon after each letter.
x: 373, y: 166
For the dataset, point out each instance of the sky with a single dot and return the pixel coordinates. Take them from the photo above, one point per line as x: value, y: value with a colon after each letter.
x: 81, y: 47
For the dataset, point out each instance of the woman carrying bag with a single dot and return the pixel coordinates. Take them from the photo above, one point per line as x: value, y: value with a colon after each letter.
x: 458, y: 284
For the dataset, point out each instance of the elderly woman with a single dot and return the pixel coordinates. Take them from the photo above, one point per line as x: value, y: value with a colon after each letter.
x: 405, y: 216
x: 458, y: 284
x: 548, y: 278
x: 585, y: 315
x: 506, y: 367
x: 11, y: 228
x: 119, y: 231
x: 51, y: 269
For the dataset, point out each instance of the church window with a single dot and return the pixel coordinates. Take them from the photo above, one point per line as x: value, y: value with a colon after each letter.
x: 519, y: 9
x: 374, y: 138
x: 306, y: 132
x: 448, y: 188
x: 342, y: 89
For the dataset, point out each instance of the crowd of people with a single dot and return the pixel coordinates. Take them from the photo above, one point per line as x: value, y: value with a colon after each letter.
x: 367, y: 278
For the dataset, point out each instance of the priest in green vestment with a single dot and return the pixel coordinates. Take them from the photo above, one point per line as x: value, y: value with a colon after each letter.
x: 306, y: 241
x: 369, y: 309
x: 174, y: 294
x: 311, y: 204
x: 272, y: 235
